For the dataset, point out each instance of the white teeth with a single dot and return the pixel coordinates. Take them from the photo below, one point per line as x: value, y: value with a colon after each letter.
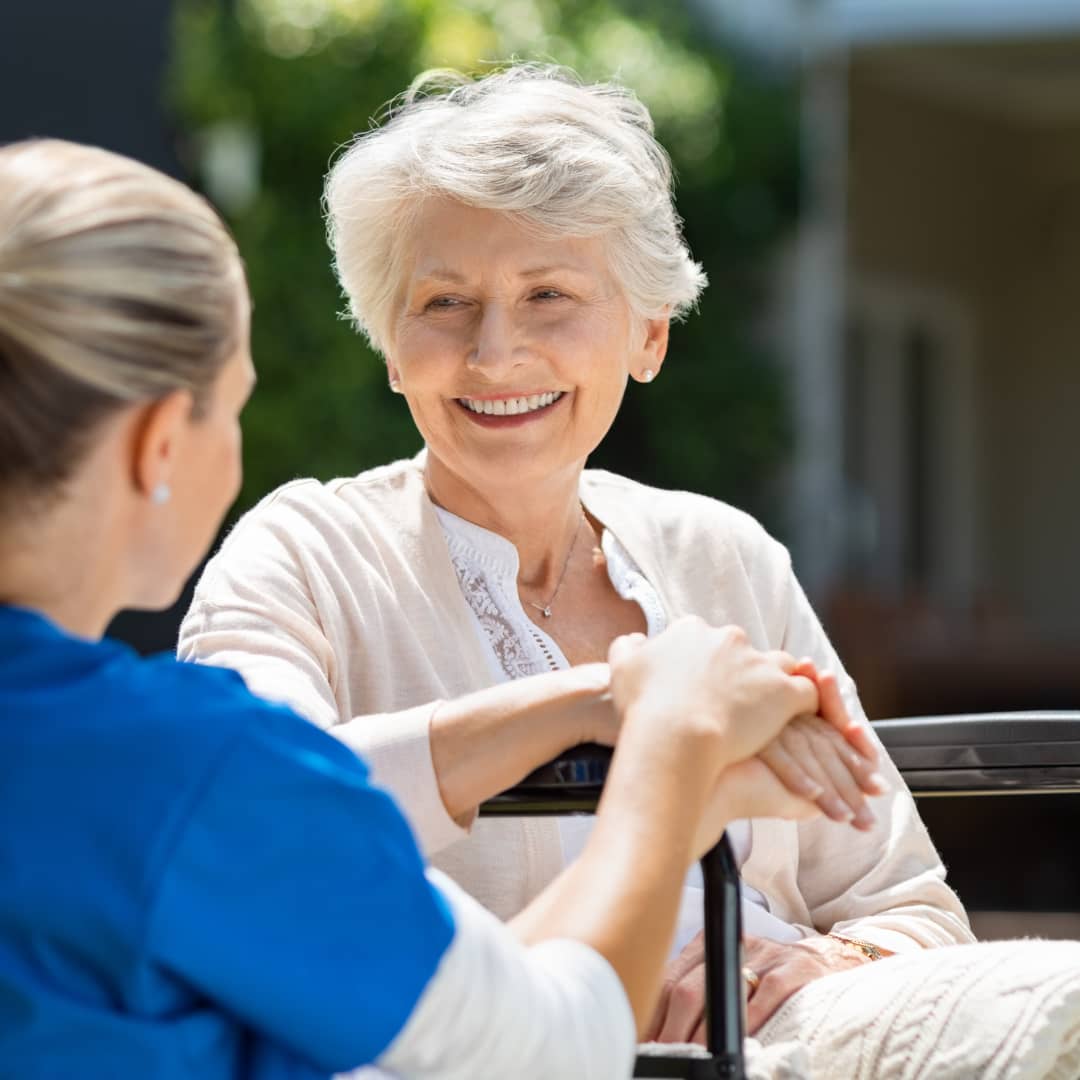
x: 512, y: 406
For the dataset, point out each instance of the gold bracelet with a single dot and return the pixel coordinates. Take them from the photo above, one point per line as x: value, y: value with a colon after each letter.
x: 867, y: 948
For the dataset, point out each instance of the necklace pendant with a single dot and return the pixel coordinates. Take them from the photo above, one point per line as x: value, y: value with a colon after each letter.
x: 547, y: 613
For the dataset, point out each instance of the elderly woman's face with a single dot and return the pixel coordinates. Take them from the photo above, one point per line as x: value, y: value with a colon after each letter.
x: 512, y: 350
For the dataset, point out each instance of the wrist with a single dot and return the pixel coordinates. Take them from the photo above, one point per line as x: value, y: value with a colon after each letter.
x: 637, y: 820
x: 694, y: 747
x: 866, y: 949
x: 662, y: 785
x: 588, y: 713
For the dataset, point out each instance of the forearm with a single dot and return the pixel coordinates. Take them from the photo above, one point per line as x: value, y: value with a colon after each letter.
x: 622, y: 896
x: 497, y: 1009
x: 486, y: 742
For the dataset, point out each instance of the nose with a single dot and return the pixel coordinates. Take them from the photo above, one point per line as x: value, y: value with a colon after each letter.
x: 494, y: 347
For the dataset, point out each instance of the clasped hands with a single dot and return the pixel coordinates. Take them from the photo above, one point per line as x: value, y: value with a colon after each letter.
x: 774, y: 729
x: 784, y: 746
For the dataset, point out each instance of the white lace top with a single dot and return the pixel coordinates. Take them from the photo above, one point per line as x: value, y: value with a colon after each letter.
x: 486, y: 565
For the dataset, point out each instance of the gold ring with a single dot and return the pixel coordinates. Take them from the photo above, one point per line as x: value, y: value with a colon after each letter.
x: 753, y: 980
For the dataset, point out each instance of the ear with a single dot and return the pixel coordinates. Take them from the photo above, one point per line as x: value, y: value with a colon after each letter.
x: 393, y: 376
x: 652, y: 347
x: 159, y: 438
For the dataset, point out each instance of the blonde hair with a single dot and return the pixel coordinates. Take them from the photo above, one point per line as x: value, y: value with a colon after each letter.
x: 117, y: 285
x: 534, y: 141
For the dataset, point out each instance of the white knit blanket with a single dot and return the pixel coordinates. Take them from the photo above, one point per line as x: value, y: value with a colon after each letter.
x: 996, y: 1011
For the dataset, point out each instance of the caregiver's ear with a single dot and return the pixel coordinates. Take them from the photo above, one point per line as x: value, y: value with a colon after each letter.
x: 161, y: 431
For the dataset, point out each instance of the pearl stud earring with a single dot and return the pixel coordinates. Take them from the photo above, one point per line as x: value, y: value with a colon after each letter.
x: 161, y: 494
x: 648, y: 375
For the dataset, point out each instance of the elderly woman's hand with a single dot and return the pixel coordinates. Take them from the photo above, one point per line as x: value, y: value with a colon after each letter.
x: 781, y: 969
x: 829, y: 759
x: 809, y: 764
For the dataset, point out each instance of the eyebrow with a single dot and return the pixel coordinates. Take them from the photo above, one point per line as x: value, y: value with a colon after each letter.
x: 553, y: 268
x: 445, y: 274
x: 440, y: 274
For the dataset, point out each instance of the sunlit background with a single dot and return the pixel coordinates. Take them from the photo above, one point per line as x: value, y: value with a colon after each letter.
x: 885, y: 195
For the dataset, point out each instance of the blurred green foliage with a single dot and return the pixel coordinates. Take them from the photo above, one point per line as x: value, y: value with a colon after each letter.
x: 297, y: 78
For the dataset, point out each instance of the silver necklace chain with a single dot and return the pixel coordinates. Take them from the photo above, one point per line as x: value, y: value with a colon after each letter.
x: 545, y: 609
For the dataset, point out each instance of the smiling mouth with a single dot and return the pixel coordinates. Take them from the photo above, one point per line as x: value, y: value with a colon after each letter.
x: 518, y: 406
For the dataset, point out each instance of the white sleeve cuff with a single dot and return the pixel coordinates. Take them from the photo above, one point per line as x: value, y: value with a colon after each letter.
x: 397, y: 749
x: 496, y: 1008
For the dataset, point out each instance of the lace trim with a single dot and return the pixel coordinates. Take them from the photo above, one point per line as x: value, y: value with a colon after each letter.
x: 514, y: 659
x: 487, y: 575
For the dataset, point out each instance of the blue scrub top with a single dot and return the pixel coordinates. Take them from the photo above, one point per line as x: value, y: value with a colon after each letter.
x: 193, y: 883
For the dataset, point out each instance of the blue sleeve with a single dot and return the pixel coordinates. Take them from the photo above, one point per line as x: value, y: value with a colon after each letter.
x: 295, y: 898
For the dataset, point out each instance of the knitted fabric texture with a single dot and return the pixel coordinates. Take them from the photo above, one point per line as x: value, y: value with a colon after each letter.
x: 997, y: 1011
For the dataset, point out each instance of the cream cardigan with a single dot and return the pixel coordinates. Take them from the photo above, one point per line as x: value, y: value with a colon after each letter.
x: 340, y: 599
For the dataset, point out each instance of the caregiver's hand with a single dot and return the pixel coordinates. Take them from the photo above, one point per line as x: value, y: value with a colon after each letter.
x: 708, y: 688
x: 709, y: 701
x: 833, y: 709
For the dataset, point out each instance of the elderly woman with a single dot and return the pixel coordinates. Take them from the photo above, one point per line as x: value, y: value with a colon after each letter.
x: 196, y: 883
x: 511, y: 247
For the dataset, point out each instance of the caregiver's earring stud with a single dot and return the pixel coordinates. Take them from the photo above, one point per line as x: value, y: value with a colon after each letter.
x: 395, y: 386
x: 161, y: 494
x: 648, y: 375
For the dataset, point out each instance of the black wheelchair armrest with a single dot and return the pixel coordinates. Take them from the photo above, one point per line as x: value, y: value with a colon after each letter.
x: 985, y: 753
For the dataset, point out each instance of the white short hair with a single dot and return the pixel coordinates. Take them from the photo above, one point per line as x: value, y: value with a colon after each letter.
x: 533, y: 141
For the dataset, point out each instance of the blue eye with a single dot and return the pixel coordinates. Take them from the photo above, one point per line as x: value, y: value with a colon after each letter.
x: 547, y: 294
x: 442, y: 303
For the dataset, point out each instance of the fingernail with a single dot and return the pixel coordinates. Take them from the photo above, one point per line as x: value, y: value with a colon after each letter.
x: 864, y: 818
x: 878, y: 783
x: 838, y: 810
x: 810, y: 789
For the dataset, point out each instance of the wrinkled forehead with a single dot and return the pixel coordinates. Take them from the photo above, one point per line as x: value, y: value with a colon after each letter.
x: 451, y: 240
